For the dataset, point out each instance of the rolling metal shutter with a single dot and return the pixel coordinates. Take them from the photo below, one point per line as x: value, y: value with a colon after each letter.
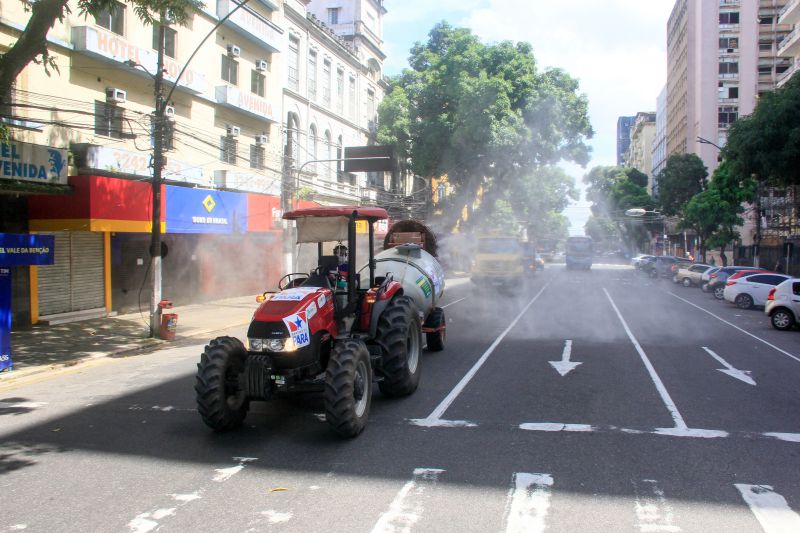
x: 75, y: 281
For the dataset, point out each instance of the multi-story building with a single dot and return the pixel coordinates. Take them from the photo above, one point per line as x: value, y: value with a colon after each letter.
x: 640, y: 151
x: 220, y: 205
x: 624, y: 125
x: 330, y: 98
x: 788, y: 46
x: 659, y: 151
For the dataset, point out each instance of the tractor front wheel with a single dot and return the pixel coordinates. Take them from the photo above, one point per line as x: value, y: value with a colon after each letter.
x: 221, y: 400
x: 348, y: 387
x: 399, y: 333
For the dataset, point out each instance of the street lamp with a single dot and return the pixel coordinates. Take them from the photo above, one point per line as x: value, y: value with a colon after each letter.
x: 702, y: 140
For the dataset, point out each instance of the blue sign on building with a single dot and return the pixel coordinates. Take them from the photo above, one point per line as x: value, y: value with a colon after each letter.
x: 205, y: 211
x: 5, y: 319
x: 22, y: 249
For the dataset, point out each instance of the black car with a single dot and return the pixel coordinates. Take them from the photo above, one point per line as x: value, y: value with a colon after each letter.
x: 660, y: 266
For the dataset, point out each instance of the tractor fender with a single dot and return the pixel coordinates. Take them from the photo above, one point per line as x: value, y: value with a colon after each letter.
x: 394, y: 289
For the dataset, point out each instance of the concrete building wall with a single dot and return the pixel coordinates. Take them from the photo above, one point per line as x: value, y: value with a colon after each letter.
x: 624, y: 125
x: 659, y: 157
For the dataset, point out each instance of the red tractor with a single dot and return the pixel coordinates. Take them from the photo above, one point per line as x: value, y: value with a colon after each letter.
x: 328, y: 330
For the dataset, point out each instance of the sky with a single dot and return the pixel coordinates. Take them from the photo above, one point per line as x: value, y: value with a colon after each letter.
x: 615, y: 48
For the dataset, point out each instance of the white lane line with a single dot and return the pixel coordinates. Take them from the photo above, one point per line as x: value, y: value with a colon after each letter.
x: 224, y: 474
x: 407, y: 507
x: 565, y: 366
x: 556, y: 426
x: 528, y: 502
x: 455, y: 302
x: 693, y: 433
x: 435, y: 418
x: 769, y: 508
x: 662, y: 390
x: 784, y: 352
x: 786, y: 437
x: 741, y: 375
x: 652, y: 509
x: 22, y: 405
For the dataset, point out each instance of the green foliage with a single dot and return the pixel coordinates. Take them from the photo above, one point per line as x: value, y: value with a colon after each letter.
x: 538, y: 198
x: 683, y: 176
x: 767, y: 142
x: 603, y: 231
x: 637, y: 177
x: 499, y: 218
x: 483, y: 115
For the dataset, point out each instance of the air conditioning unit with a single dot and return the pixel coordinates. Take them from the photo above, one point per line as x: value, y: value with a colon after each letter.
x: 262, y: 139
x: 730, y: 50
x: 116, y: 95
x: 262, y: 65
x: 169, y: 112
x: 233, y: 131
x: 234, y: 51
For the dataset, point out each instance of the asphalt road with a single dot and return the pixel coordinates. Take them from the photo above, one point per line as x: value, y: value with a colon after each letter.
x: 634, y: 428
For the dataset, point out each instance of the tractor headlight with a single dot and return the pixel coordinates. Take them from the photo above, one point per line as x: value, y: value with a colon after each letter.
x: 257, y: 345
x: 272, y: 345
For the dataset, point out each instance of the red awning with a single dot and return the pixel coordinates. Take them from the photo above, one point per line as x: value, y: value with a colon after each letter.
x: 367, y: 213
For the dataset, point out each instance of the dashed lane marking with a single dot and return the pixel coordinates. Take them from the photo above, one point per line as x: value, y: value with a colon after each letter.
x: 769, y: 508
x: 407, y: 507
x: 528, y: 502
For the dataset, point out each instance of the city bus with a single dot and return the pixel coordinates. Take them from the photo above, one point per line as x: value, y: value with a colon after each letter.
x: 579, y: 251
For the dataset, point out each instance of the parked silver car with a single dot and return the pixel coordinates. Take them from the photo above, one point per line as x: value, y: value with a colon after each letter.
x: 783, y: 305
x: 689, y: 275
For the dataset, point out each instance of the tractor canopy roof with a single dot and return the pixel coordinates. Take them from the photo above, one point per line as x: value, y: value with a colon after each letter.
x: 324, y: 224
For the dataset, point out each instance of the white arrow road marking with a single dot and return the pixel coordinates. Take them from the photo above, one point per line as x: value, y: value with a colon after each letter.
x: 435, y: 418
x: 406, y: 508
x: 770, y: 509
x: 652, y: 509
x: 528, y: 503
x: 741, y: 375
x: 565, y: 366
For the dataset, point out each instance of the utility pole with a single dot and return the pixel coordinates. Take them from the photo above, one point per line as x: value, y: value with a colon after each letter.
x: 158, y: 164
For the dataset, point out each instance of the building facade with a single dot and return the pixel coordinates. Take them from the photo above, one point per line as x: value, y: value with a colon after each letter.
x: 624, y: 125
x: 640, y: 151
x: 659, y: 151
x: 787, y: 39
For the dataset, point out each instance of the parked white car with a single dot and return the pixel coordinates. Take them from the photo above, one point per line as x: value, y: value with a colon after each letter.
x: 783, y: 304
x: 689, y: 275
x: 637, y: 260
x: 751, y: 290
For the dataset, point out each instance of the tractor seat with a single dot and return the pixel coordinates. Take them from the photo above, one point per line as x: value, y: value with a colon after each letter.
x: 321, y: 276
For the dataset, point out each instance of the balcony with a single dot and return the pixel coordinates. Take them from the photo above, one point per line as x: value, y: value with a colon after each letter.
x: 784, y: 76
x: 790, y: 14
x: 251, y: 25
x: 790, y: 45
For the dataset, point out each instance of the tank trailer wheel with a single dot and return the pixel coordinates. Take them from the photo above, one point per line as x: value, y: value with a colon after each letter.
x: 221, y: 400
x: 436, y: 339
x: 348, y: 387
x: 399, y: 332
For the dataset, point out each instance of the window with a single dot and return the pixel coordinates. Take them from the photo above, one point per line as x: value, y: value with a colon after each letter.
x: 765, y: 69
x: 112, y: 18
x: 169, y: 40
x: 326, y: 83
x: 107, y: 119
x: 729, y: 68
x: 727, y: 115
x: 340, y: 91
x: 330, y: 165
x: 370, y: 104
x: 796, y: 288
x: 293, y: 63
x: 765, y: 45
x: 312, y: 75
x: 728, y: 43
x: 333, y: 15
x: 227, y: 149
x: 257, y: 156
x: 230, y: 69
x: 766, y: 21
x: 312, y: 147
x: 351, y: 109
x: 258, y: 83
x: 731, y: 17
x: 728, y: 92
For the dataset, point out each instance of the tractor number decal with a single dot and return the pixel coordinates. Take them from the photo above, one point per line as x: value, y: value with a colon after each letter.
x: 298, y: 329
x: 311, y: 310
x: 424, y: 284
x: 295, y: 294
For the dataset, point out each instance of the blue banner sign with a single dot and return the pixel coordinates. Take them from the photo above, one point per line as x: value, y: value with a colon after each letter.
x: 5, y: 319
x: 205, y: 211
x: 22, y: 249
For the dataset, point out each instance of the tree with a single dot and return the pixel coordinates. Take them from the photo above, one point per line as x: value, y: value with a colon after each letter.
x: 537, y: 200
x: 767, y: 143
x: 683, y: 176
x: 32, y: 43
x: 484, y: 116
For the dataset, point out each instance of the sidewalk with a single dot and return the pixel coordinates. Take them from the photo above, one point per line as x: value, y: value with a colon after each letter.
x: 44, y: 348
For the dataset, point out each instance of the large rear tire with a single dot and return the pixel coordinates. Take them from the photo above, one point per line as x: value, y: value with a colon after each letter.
x: 400, y: 334
x: 221, y: 399
x: 348, y: 388
x: 436, y: 339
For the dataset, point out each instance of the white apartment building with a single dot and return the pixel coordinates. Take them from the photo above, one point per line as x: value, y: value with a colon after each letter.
x: 789, y: 46
x: 640, y: 151
x: 659, y: 151
x: 331, y: 94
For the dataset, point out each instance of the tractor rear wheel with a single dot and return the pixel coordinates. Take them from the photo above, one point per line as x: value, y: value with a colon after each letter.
x: 348, y: 387
x: 221, y: 399
x: 436, y: 339
x: 399, y: 333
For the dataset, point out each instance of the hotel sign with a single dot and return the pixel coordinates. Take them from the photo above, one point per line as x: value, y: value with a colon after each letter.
x: 255, y: 26
x: 249, y: 102
x: 108, y: 45
x: 248, y: 181
x: 138, y: 164
x: 32, y: 162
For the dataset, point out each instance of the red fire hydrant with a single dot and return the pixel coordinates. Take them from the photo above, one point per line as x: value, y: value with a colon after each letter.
x: 169, y: 321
